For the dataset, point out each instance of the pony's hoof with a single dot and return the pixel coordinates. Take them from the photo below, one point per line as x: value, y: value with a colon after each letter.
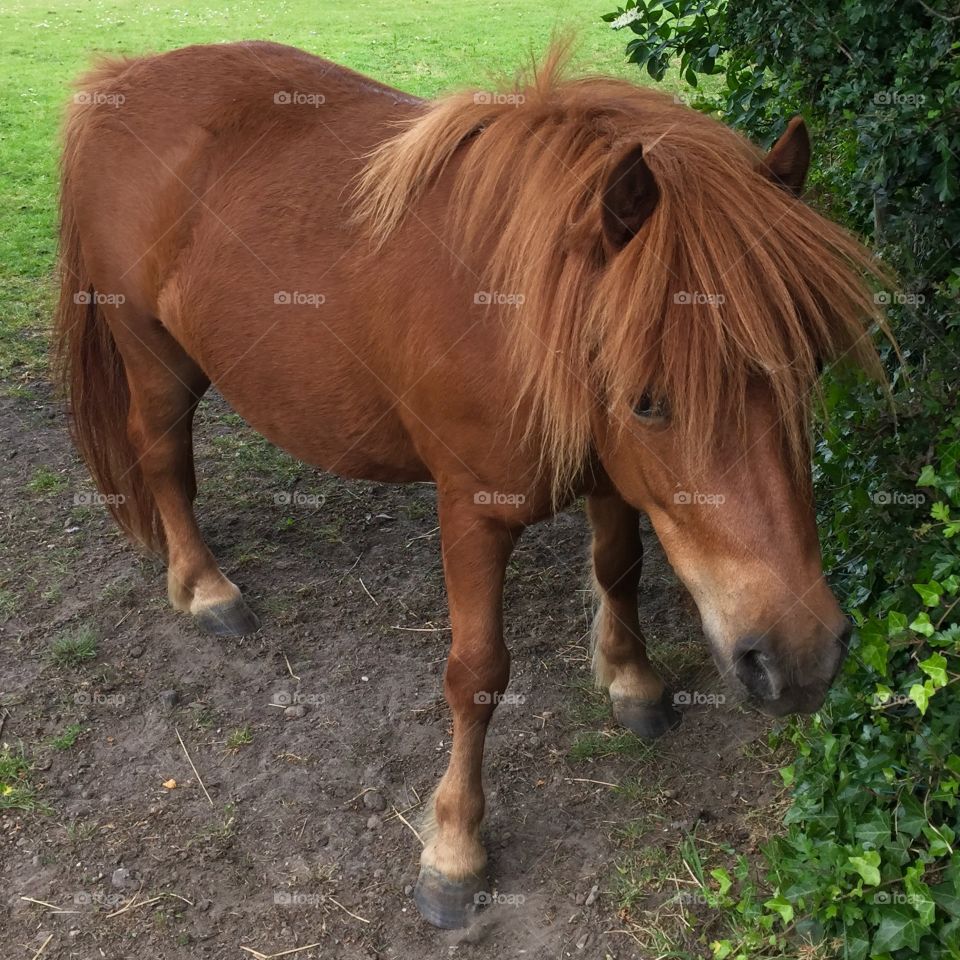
x: 647, y: 720
x: 232, y: 619
x: 448, y: 904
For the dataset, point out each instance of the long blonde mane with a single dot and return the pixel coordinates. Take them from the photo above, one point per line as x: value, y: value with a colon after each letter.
x: 730, y: 279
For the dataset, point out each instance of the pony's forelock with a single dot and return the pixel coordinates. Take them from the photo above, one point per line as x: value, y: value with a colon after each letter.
x: 731, y: 279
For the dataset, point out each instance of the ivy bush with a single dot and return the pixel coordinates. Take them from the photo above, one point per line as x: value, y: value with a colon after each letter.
x: 868, y: 864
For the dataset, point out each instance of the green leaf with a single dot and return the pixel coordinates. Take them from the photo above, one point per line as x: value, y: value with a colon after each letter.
x: 875, y: 830
x: 930, y: 592
x: 896, y: 623
x: 922, y: 624
x: 920, y: 696
x: 928, y: 477
x: 723, y: 879
x: 782, y: 907
x: 898, y: 928
x: 935, y: 667
x: 868, y: 867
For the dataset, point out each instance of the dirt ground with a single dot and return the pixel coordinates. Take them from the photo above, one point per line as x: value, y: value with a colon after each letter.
x: 294, y: 831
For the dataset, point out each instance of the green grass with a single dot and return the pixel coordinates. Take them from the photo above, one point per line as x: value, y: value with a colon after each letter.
x: 75, y: 647
x: 599, y: 744
x: 68, y: 738
x: 45, y: 480
x: 17, y: 792
x: 240, y: 737
x: 421, y: 46
x: 8, y: 603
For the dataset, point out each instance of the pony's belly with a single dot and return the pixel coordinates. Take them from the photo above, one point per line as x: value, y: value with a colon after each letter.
x: 371, y: 447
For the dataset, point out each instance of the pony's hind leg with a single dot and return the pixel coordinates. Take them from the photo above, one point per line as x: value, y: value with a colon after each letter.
x: 639, y: 698
x: 475, y: 554
x: 165, y: 388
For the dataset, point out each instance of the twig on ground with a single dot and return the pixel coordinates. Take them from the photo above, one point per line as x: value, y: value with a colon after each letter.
x: 193, y: 767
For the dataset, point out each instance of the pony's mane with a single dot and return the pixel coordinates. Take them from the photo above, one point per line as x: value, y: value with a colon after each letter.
x: 731, y: 278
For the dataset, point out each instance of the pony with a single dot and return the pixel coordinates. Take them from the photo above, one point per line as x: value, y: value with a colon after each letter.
x: 565, y: 287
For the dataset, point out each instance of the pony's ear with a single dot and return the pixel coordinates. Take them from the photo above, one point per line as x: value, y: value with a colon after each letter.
x: 789, y: 158
x: 629, y: 197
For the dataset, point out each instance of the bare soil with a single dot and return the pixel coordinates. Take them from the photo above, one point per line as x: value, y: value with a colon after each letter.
x: 300, y: 830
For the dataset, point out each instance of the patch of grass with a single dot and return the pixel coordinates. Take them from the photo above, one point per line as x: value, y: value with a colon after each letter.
x: 8, y: 603
x: 587, y: 704
x: 248, y: 455
x: 80, y: 831
x: 52, y: 594
x: 217, y: 837
x: 117, y: 590
x: 17, y: 792
x: 240, y: 737
x: 68, y: 738
x: 635, y: 879
x: 599, y: 744
x: 204, y: 718
x: 45, y: 481
x: 74, y: 647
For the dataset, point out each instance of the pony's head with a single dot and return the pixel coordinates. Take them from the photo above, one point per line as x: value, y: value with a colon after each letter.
x: 679, y: 302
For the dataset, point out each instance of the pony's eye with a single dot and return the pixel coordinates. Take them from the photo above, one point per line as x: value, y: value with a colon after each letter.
x: 647, y: 408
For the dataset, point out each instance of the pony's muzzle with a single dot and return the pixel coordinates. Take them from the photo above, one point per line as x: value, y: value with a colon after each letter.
x: 782, y: 681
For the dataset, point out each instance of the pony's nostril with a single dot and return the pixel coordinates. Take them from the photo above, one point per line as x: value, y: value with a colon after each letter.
x: 755, y: 672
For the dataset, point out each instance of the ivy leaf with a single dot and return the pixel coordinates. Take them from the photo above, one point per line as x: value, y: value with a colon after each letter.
x: 782, y: 907
x: 898, y: 928
x: 930, y: 592
x: 868, y: 866
x: 896, y: 623
x: 935, y: 667
x: 928, y: 477
x: 722, y: 878
x: 922, y: 624
x: 875, y: 830
x: 920, y: 696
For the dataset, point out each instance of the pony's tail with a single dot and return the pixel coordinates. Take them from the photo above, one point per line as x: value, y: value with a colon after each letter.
x: 92, y: 378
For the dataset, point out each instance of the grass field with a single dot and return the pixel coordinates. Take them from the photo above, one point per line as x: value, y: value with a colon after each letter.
x: 423, y: 47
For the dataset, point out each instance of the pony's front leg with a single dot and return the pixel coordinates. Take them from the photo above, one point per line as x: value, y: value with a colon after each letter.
x: 639, y: 698
x: 475, y: 554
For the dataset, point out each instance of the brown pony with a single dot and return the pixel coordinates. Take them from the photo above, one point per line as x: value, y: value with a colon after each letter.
x: 565, y: 288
